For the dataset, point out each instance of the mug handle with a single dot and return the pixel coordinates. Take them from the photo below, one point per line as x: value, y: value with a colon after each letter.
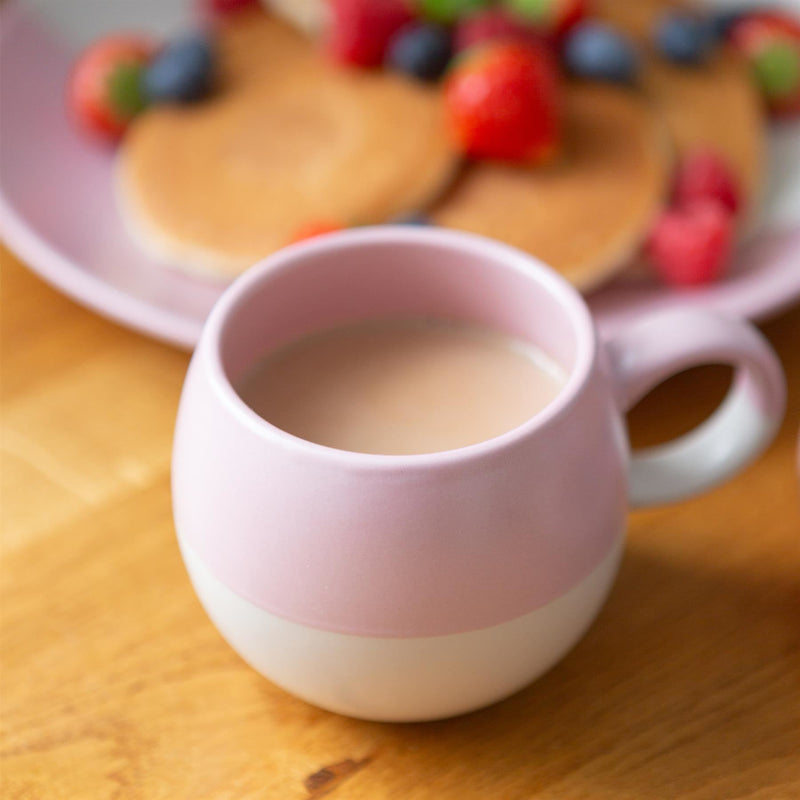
x: 647, y: 352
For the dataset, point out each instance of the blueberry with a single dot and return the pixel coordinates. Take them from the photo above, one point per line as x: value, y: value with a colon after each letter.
x: 181, y: 72
x: 596, y: 50
x: 721, y: 22
x: 683, y: 38
x: 421, y: 50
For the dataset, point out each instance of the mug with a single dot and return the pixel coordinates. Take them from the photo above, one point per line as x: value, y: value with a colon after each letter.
x: 417, y: 587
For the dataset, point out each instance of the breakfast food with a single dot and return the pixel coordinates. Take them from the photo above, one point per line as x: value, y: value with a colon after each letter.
x: 421, y: 50
x: 216, y: 186
x: 502, y: 103
x: 599, y: 52
x: 181, y: 73
x: 691, y: 243
x: 359, y: 30
x: 587, y: 133
x: 771, y: 43
x: 695, y: 100
x: 586, y: 213
x: 104, y: 90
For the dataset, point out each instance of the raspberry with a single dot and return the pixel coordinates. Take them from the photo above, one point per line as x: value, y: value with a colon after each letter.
x: 360, y: 30
x: 703, y: 175
x: 691, y: 245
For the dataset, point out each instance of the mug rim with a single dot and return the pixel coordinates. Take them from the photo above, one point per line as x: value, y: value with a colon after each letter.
x: 557, y: 287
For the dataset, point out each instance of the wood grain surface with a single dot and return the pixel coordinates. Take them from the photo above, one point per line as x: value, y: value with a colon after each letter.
x: 115, y: 685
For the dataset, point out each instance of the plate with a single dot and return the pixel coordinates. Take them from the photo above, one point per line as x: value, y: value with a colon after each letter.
x: 58, y: 212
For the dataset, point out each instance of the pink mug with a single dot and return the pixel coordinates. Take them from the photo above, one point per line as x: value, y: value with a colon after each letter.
x: 424, y: 586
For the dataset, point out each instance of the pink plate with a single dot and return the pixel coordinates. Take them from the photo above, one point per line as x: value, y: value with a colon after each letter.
x: 58, y: 213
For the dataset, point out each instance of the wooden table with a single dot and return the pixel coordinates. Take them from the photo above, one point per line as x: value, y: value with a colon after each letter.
x: 116, y: 685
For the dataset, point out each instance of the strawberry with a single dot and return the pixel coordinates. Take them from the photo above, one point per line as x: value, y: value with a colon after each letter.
x: 771, y: 42
x: 313, y: 229
x: 691, y: 245
x: 501, y: 100
x: 360, y: 30
x: 105, y: 87
x: 489, y: 25
x: 703, y: 175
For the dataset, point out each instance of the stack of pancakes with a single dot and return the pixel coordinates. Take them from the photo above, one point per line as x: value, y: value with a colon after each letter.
x: 290, y: 139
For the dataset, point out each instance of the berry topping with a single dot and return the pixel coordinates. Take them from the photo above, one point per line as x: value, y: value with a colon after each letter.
x: 360, y: 30
x: 771, y: 42
x: 683, y: 38
x: 421, y: 50
x: 312, y: 230
x: 703, y: 175
x: 596, y: 50
x: 502, y: 102
x: 105, y: 87
x: 181, y: 72
x: 490, y: 25
x: 721, y: 22
x: 551, y: 17
x: 449, y: 11
x: 691, y: 245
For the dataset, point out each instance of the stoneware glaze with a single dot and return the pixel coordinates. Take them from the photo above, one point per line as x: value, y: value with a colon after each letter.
x: 423, y: 586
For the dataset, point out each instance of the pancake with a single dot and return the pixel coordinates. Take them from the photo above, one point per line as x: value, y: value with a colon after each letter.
x: 716, y: 105
x: 287, y: 140
x: 586, y: 214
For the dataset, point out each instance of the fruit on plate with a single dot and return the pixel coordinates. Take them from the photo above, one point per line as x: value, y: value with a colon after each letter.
x: 105, y: 88
x: 490, y: 25
x: 502, y: 102
x: 587, y: 213
x: 596, y: 50
x: 691, y: 245
x: 359, y: 30
x: 683, y: 37
x: 701, y: 174
x: 288, y: 139
x: 182, y: 72
x: 421, y: 50
x: 552, y: 17
x: 715, y: 106
x: 771, y: 43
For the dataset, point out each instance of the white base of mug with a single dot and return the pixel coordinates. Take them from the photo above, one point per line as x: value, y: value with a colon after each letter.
x: 397, y: 679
